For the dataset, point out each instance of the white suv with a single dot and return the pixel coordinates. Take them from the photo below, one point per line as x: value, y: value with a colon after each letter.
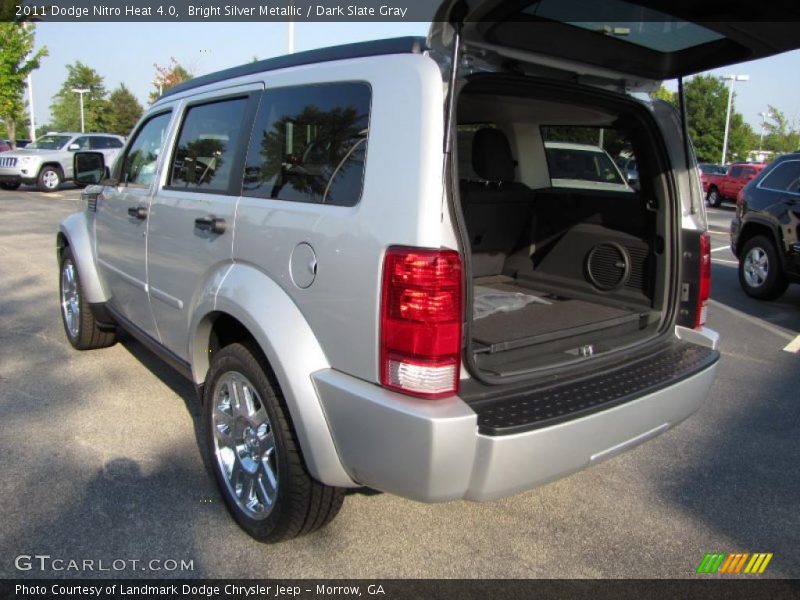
x: 359, y: 257
x: 47, y: 162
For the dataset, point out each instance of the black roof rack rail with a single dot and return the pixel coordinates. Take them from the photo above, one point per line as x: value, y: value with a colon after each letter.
x: 400, y: 45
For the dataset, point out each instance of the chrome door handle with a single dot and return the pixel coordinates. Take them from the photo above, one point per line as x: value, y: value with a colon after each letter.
x: 212, y: 224
x: 138, y: 212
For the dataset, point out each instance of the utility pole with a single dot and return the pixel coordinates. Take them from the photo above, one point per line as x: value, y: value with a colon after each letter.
x: 733, y: 79
x: 81, y: 92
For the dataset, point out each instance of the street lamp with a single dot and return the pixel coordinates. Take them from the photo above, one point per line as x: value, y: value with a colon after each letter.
x: 733, y: 79
x: 764, y: 116
x: 81, y: 92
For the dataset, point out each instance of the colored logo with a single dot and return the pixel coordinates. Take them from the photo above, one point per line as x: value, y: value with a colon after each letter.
x: 739, y: 563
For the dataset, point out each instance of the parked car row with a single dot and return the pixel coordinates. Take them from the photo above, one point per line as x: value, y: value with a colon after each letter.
x: 47, y: 162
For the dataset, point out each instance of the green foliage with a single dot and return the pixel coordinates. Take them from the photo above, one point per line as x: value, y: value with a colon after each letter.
x: 65, y: 109
x: 780, y: 136
x: 707, y: 105
x: 662, y: 93
x: 17, y: 60
x: 123, y: 111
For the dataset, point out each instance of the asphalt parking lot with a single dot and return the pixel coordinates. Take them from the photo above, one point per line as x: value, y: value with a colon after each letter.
x: 100, y: 461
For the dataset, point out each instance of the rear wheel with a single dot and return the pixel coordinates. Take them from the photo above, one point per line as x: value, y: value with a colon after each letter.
x: 9, y: 186
x: 713, y: 198
x: 83, y: 331
x: 252, y: 450
x: 49, y: 179
x: 760, y: 272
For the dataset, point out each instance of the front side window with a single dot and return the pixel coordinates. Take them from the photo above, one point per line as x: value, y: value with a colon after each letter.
x: 206, y: 148
x: 141, y: 160
x: 736, y: 171
x: 83, y: 143
x: 309, y: 144
x: 784, y: 178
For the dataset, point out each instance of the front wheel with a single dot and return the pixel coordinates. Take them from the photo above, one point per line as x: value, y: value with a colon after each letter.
x: 760, y: 272
x: 49, y: 179
x: 252, y: 450
x: 83, y: 331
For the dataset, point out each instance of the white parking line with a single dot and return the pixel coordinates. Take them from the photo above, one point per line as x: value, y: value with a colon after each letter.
x: 718, y: 232
x: 793, y: 346
x: 750, y: 319
x: 720, y: 248
x: 724, y: 262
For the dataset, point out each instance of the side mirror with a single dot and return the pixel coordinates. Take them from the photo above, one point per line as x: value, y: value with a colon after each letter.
x: 89, y: 167
x: 73, y: 147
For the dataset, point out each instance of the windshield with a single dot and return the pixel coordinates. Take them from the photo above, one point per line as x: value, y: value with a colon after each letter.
x: 50, y: 142
x: 589, y: 165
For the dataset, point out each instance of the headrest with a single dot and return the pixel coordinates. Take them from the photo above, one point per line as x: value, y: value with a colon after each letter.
x: 491, y: 155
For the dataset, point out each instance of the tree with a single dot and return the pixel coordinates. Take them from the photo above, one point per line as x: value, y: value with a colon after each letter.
x: 17, y: 60
x: 123, y: 111
x: 168, y: 77
x: 707, y: 105
x: 66, y: 106
x: 780, y: 135
x: 662, y: 93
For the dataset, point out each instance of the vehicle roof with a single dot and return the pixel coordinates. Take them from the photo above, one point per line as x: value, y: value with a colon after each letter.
x: 74, y: 133
x: 400, y: 45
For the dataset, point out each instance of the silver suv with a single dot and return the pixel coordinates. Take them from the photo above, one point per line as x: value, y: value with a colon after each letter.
x: 360, y: 258
x: 47, y: 162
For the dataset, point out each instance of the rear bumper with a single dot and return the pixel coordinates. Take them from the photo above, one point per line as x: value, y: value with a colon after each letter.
x: 432, y: 451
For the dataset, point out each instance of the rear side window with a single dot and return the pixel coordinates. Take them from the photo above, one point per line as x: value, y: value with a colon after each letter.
x: 206, y: 148
x: 736, y: 171
x: 104, y: 143
x: 309, y: 144
x: 784, y: 178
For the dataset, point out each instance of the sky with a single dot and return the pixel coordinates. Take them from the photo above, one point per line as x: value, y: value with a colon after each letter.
x: 126, y: 53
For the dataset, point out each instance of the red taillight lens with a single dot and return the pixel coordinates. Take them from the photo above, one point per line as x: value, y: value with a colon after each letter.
x: 704, y: 286
x: 421, y: 306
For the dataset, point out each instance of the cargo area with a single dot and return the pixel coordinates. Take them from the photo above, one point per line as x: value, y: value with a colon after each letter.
x: 566, y: 213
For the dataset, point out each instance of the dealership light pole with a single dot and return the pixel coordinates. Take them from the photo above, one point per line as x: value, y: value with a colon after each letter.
x: 81, y: 92
x: 764, y: 116
x: 733, y: 79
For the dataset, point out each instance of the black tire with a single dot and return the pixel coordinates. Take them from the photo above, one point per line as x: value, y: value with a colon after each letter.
x: 760, y: 270
x: 49, y: 179
x: 83, y: 331
x: 713, y: 198
x: 300, y: 504
x: 10, y: 186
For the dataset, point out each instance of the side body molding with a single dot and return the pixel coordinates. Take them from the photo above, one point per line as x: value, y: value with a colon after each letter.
x: 75, y: 231
x: 256, y: 301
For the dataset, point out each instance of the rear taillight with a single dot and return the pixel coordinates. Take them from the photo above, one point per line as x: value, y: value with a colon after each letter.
x: 704, y: 285
x: 421, y: 306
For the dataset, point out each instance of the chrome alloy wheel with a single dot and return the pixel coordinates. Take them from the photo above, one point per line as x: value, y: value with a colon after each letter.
x: 756, y: 267
x: 70, y: 298
x: 244, y: 445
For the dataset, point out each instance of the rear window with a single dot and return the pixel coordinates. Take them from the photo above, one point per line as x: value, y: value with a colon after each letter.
x: 309, y: 144
x: 784, y: 178
x: 577, y: 154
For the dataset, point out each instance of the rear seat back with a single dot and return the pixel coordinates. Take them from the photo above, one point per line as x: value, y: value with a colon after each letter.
x: 497, y: 210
